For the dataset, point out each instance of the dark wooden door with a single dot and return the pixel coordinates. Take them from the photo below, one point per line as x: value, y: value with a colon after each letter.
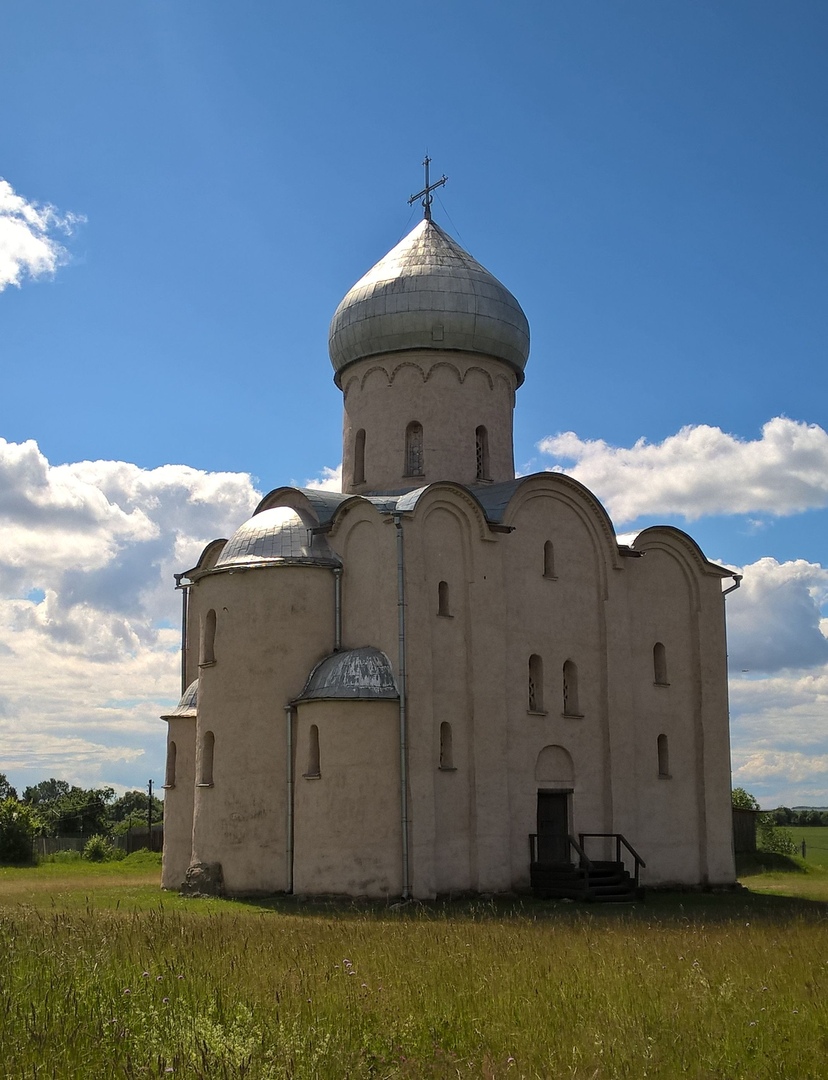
x: 553, y: 827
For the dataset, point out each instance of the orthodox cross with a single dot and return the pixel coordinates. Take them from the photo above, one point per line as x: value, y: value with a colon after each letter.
x: 425, y: 194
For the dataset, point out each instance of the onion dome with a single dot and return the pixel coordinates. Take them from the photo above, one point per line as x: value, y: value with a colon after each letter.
x: 428, y: 293
x: 278, y: 535
x: 351, y: 674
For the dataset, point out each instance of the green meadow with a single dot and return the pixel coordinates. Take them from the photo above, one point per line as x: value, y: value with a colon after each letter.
x: 103, y: 975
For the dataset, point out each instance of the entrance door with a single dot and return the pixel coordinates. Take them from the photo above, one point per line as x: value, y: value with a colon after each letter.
x: 553, y: 827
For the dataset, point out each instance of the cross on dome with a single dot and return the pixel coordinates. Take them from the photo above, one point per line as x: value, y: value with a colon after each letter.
x: 425, y: 194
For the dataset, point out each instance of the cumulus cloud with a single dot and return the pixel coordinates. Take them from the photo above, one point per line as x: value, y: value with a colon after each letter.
x: 779, y: 682
x: 329, y: 479
x: 703, y: 470
x: 28, y: 244
x: 775, y: 619
x: 88, y: 612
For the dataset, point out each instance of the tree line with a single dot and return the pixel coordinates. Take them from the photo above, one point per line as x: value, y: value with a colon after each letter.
x: 57, y: 808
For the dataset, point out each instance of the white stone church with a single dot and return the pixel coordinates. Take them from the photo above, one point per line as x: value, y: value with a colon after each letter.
x: 445, y: 679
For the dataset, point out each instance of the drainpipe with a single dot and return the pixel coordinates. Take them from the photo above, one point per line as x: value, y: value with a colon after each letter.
x: 337, y: 608
x: 406, y: 889
x: 737, y: 581
x: 289, y: 742
x: 185, y: 592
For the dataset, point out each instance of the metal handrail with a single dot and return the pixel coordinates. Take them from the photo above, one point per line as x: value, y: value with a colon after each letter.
x: 586, y: 862
x: 619, y: 840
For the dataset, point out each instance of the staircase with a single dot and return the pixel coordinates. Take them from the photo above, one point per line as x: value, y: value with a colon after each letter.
x: 598, y: 880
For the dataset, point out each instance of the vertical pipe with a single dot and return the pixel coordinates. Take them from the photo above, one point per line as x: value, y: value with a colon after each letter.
x: 289, y: 846
x: 406, y: 884
x: 185, y: 590
x: 337, y: 608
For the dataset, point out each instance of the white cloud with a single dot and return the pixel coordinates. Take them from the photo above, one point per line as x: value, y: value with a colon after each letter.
x: 775, y: 618
x: 330, y: 480
x: 28, y: 247
x: 702, y: 470
x: 88, y: 612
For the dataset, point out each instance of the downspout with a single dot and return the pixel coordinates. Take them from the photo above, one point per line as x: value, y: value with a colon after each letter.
x: 406, y: 883
x: 289, y: 846
x: 185, y: 592
x: 337, y: 608
x: 737, y: 581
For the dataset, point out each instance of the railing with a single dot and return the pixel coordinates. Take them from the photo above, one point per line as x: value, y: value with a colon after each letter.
x: 619, y: 840
x: 571, y: 842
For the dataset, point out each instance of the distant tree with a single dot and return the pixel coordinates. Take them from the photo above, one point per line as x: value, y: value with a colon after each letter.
x: 783, y: 815
x: 81, y: 812
x: 743, y: 800
x: 47, y: 791
x: 6, y: 790
x: 130, y: 811
x: 18, y: 827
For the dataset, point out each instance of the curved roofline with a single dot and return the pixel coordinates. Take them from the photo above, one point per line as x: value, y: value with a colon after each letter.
x: 438, y: 347
x: 655, y: 533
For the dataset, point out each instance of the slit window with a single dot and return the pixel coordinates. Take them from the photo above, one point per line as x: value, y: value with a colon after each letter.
x: 549, y: 559
x: 443, y: 607
x: 481, y: 447
x: 313, y: 753
x: 663, y: 757
x: 208, y: 638
x: 660, y: 664
x: 414, y: 449
x: 359, y: 457
x: 446, y: 748
x: 535, y: 683
x: 571, y: 704
x: 169, y: 775
x: 208, y: 746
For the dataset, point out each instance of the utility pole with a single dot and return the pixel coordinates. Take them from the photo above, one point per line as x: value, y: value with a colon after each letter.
x: 149, y: 815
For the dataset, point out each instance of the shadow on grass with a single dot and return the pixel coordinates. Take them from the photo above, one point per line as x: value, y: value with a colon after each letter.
x: 732, y: 905
x: 748, y: 864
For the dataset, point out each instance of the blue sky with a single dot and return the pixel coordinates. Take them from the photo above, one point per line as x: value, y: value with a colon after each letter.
x: 648, y: 178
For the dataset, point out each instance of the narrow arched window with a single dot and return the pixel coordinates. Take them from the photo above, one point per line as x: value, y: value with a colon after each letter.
x: 169, y: 775
x: 443, y: 599
x: 659, y: 664
x: 549, y: 559
x: 313, y: 752
x: 481, y: 447
x: 208, y: 746
x: 446, y: 749
x: 208, y: 638
x: 663, y: 757
x: 571, y: 705
x: 535, y: 683
x: 414, y: 449
x: 359, y: 457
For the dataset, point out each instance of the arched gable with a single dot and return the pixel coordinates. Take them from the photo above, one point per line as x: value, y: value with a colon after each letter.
x: 209, y: 556
x: 455, y: 497
x: 582, y: 503
x: 685, y: 551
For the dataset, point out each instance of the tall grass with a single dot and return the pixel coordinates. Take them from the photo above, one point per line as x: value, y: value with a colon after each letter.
x: 476, y: 992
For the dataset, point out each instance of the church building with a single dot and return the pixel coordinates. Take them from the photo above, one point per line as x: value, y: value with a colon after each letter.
x: 445, y: 679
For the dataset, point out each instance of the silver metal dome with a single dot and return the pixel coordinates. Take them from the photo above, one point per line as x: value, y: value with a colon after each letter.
x: 278, y: 535
x: 428, y: 293
x: 188, y: 704
x: 353, y: 673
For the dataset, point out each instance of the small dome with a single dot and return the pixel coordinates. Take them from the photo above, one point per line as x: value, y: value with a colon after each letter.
x: 428, y: 293
x: 278, y: 535
x: 352, y: 673
x: 188, y: 704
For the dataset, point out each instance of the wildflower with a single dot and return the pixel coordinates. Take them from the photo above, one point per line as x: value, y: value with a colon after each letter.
x: 127, y: 991
x: 145, y: 974
x: 181, y: 976
x: 165, y: 1000
x: 158, y: 978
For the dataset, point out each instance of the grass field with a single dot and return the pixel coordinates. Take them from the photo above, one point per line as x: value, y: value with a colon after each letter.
x: 102, y: 975
x: 816, y: 843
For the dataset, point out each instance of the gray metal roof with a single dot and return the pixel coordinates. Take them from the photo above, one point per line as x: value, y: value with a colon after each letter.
x: 188, y: 704
x: 364, y: 673
x: 428, y: 293
x: 278, y: 535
